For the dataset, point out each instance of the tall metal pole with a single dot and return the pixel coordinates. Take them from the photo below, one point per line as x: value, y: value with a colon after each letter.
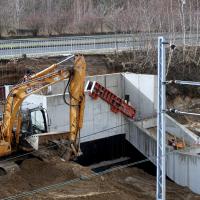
x: 161, y: 174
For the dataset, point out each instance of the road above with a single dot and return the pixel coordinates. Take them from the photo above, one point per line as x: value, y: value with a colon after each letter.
x: 36, y: 47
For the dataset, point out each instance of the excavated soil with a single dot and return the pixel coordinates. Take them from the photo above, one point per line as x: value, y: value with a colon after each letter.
x: 181, y: 64
x: 187, y: 104
x: 34, y: 173
x: 12, y: 71
x: 129, y: 183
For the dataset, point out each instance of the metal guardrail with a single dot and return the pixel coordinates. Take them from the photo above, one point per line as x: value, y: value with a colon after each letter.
x: 64, y: 45
x: 81, y: 44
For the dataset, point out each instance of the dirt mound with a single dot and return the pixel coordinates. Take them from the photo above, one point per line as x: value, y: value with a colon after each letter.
x: 130, y: 183
x: 190, y: 105
x: 35, y: 173
x: 39, y: 173
x: 12, y: 71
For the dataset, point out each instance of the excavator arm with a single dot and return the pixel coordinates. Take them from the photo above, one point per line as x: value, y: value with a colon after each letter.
x: 9, y: 139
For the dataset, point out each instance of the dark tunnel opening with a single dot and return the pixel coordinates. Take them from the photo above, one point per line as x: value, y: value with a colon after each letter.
x: 112, y: 148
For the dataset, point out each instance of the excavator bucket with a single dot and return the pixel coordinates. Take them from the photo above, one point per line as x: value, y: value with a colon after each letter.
x: 8, y: 168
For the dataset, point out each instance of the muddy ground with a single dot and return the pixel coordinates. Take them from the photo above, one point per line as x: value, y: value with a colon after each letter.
x: 130, y: 183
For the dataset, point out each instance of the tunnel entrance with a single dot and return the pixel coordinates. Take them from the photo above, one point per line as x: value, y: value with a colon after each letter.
x: 113, y: 148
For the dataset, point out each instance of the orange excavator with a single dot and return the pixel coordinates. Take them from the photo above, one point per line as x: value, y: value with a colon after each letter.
x: 17, y: 125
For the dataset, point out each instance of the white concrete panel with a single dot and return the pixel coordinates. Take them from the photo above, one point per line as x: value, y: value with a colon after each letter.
x: 115, y: 90
x: 87, y: 129
x: 170, y: 165
x: 145, y: 83
x: 36, y: 100
x: 61, y: 116
x: 180, y: 169
x: 101, y: 80
x: 142, y: 91
x: 112, y: 80
x: 58, y: 88
x: 175, y: 128
x: 55, y: 99
x: 97, y: 115
x: 102, y: 134
x: 147, y: 123
x: 89, y: 112
x: 97, y: 107
x: 194, y: 174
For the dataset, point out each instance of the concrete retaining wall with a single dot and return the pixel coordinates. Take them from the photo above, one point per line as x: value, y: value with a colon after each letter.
x: 185, y: 170
x: 172, y: 127
x: 99, y: 121
x: 142, y: 89
x: 181, y: 167
x: 175, y: 128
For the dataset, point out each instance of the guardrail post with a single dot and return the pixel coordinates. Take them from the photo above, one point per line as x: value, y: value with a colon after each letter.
x: 12, y: 49
x: 115, y: 42
x: 20, y: 47
x: 94, y: 43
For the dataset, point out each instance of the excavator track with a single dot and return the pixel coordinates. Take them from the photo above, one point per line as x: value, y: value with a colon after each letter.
x: 8, y: 168
x: 48, y: 145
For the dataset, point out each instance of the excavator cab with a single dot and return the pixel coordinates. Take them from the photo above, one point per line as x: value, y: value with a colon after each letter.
x: 34, y: 121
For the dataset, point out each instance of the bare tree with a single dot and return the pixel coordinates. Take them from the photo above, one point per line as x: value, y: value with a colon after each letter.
x: 60, y: 23
x: 34, y: 23
x: 88, y: 23
x: 87, y: 16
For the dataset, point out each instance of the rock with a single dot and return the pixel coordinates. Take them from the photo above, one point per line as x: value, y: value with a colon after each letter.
x: 130, y: 179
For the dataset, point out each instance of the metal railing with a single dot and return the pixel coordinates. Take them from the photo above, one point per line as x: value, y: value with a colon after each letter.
x: 83, y: 44
x: 64, y: 45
